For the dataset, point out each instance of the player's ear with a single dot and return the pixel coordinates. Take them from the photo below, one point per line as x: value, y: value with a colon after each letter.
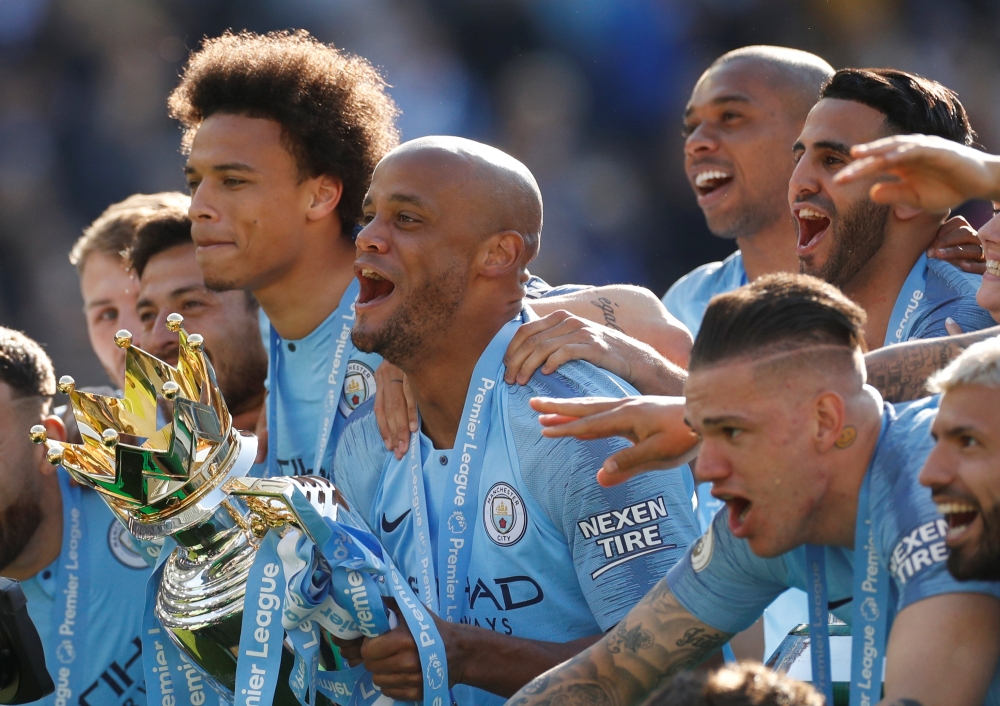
x: 55, y: 430
x: 324, y: 195
x: 502, y: 253
x: 829, y: 415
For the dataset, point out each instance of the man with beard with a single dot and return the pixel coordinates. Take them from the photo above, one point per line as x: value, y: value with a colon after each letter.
x: 163, y: 258
x: 877, y: 254
x: 745, y: 110
x: 65, y: 547
x: 963, y: 469
x: 821, y: 482
x: 481, y: 500
x: 282, y: 134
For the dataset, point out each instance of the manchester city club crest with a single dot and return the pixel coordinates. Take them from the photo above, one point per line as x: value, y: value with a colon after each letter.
x: 504, y: 515
x: 123, y: 547
x: 359, y: 385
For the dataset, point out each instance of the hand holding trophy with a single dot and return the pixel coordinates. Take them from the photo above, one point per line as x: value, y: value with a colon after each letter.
x: 256, y: 574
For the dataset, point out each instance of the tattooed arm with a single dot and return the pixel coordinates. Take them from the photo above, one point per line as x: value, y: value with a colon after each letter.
x: 657, y: 639
x: 900, y: 372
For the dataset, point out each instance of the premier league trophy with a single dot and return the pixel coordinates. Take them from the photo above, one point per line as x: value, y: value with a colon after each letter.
x: 186, y: 481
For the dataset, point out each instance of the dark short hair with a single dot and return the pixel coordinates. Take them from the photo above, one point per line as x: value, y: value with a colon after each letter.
x: 161, y: 231
x: 776, y: 312
x: 24, y: 366
x: 335, y: 115
x: 112, y: 232
x: 911, y: 104
x: 742, y: 684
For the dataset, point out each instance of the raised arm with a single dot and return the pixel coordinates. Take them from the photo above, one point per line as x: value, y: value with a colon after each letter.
x: 658, y: 638
x: 900, y: 372
x: 929, y: 172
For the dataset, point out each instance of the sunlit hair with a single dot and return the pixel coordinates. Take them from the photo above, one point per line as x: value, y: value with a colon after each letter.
x: 779, y: 312
x: 742, y: 684
x: 335, y: 115
x: 979, y: 364
x: 25, y: 367
x: 910, y: 103
x: 112, y: 232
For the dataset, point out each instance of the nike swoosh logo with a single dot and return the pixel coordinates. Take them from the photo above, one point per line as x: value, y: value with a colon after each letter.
x: 391, y: 526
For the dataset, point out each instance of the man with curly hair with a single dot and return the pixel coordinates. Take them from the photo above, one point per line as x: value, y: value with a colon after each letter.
x: 282, y: 134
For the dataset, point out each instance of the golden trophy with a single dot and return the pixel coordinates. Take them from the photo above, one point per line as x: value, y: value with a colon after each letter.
x: 187, y: 480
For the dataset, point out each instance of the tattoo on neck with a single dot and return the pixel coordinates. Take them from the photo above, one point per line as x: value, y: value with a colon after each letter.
x: 846, y: 438
x: 605, y: 305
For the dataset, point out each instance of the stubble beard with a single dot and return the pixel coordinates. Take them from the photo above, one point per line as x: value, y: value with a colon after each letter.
x: 981, y: 563
x: 749, y: 220
x: 856, y: 238
x: 18, y: 524
x: 242, y: 370
x: 422, y: 314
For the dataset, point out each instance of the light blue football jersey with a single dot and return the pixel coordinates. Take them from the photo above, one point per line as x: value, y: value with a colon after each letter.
x: 724, y: 584
x: 555, y: 556
x: 689, y: 296
x: 948, y: 292
x: 302, y: 391
x: 110, y: 650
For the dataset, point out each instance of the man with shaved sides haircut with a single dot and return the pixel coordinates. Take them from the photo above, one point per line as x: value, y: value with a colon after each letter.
x: 504, y: 536
x: 821, y: 480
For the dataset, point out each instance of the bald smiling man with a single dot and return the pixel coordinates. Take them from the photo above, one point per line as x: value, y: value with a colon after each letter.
x: 502, y: 533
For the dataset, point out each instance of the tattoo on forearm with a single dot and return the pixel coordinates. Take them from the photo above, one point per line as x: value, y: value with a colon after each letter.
x: 605, y: 305
x: 632, y: 640
x: 901, y: 375
x: 699, y: 637
x: 657, y: 639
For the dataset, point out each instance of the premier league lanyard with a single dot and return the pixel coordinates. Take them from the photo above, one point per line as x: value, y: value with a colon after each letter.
x: 455, y: 528
x: 341, y: 350
x: 870, y: 609
x: 72, y: 599
x: 909, y: 299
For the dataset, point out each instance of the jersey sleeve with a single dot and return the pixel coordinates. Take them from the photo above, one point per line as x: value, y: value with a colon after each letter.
x: 360, y: 460
x: 538, y: 288
x: 951, y: 293
x: 622, y: 539
x: 722, y: 583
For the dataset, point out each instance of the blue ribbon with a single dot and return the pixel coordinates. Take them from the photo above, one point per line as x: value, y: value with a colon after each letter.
x: 261, y: 634
x: 454, y: 547
x: 72, y: 599
x: 341, y: 351
x: 341, y: 588
x: 904, y: 311
x: 167, y: 670
x: 869, y: 611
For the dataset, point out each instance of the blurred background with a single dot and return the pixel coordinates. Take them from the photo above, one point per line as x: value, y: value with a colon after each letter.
x: 588, y: 93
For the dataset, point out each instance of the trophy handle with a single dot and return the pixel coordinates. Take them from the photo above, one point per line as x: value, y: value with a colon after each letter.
x: 274, y: 502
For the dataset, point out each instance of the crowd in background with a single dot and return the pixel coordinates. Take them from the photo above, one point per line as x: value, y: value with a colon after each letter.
x: 588, y: 94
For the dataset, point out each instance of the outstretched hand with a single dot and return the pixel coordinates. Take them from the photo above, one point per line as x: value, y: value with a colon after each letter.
x: 930, y: 172
x: 655, y: 425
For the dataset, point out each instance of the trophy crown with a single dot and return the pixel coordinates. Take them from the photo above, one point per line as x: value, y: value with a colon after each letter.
x: 163, y: 445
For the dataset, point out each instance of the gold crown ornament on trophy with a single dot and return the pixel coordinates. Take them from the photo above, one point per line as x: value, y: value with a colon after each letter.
x: 187, y: 479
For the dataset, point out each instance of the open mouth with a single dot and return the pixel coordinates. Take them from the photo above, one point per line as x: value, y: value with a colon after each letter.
x: 374, y: 287
x: 959, y: 516
x: 812, y: 226
x: 993, y: 267
x: 711, y: 180
x: 738, y: 509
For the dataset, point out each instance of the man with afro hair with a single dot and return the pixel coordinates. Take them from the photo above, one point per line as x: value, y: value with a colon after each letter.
x: 282, y: 134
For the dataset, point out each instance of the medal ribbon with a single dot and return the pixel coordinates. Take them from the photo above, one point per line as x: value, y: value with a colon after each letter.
x: 340, y: 588
x: 341, y: 350
x: 869, y: 611
x: 454, y: 551
x: 72, y: 599
x: 904, y: 311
